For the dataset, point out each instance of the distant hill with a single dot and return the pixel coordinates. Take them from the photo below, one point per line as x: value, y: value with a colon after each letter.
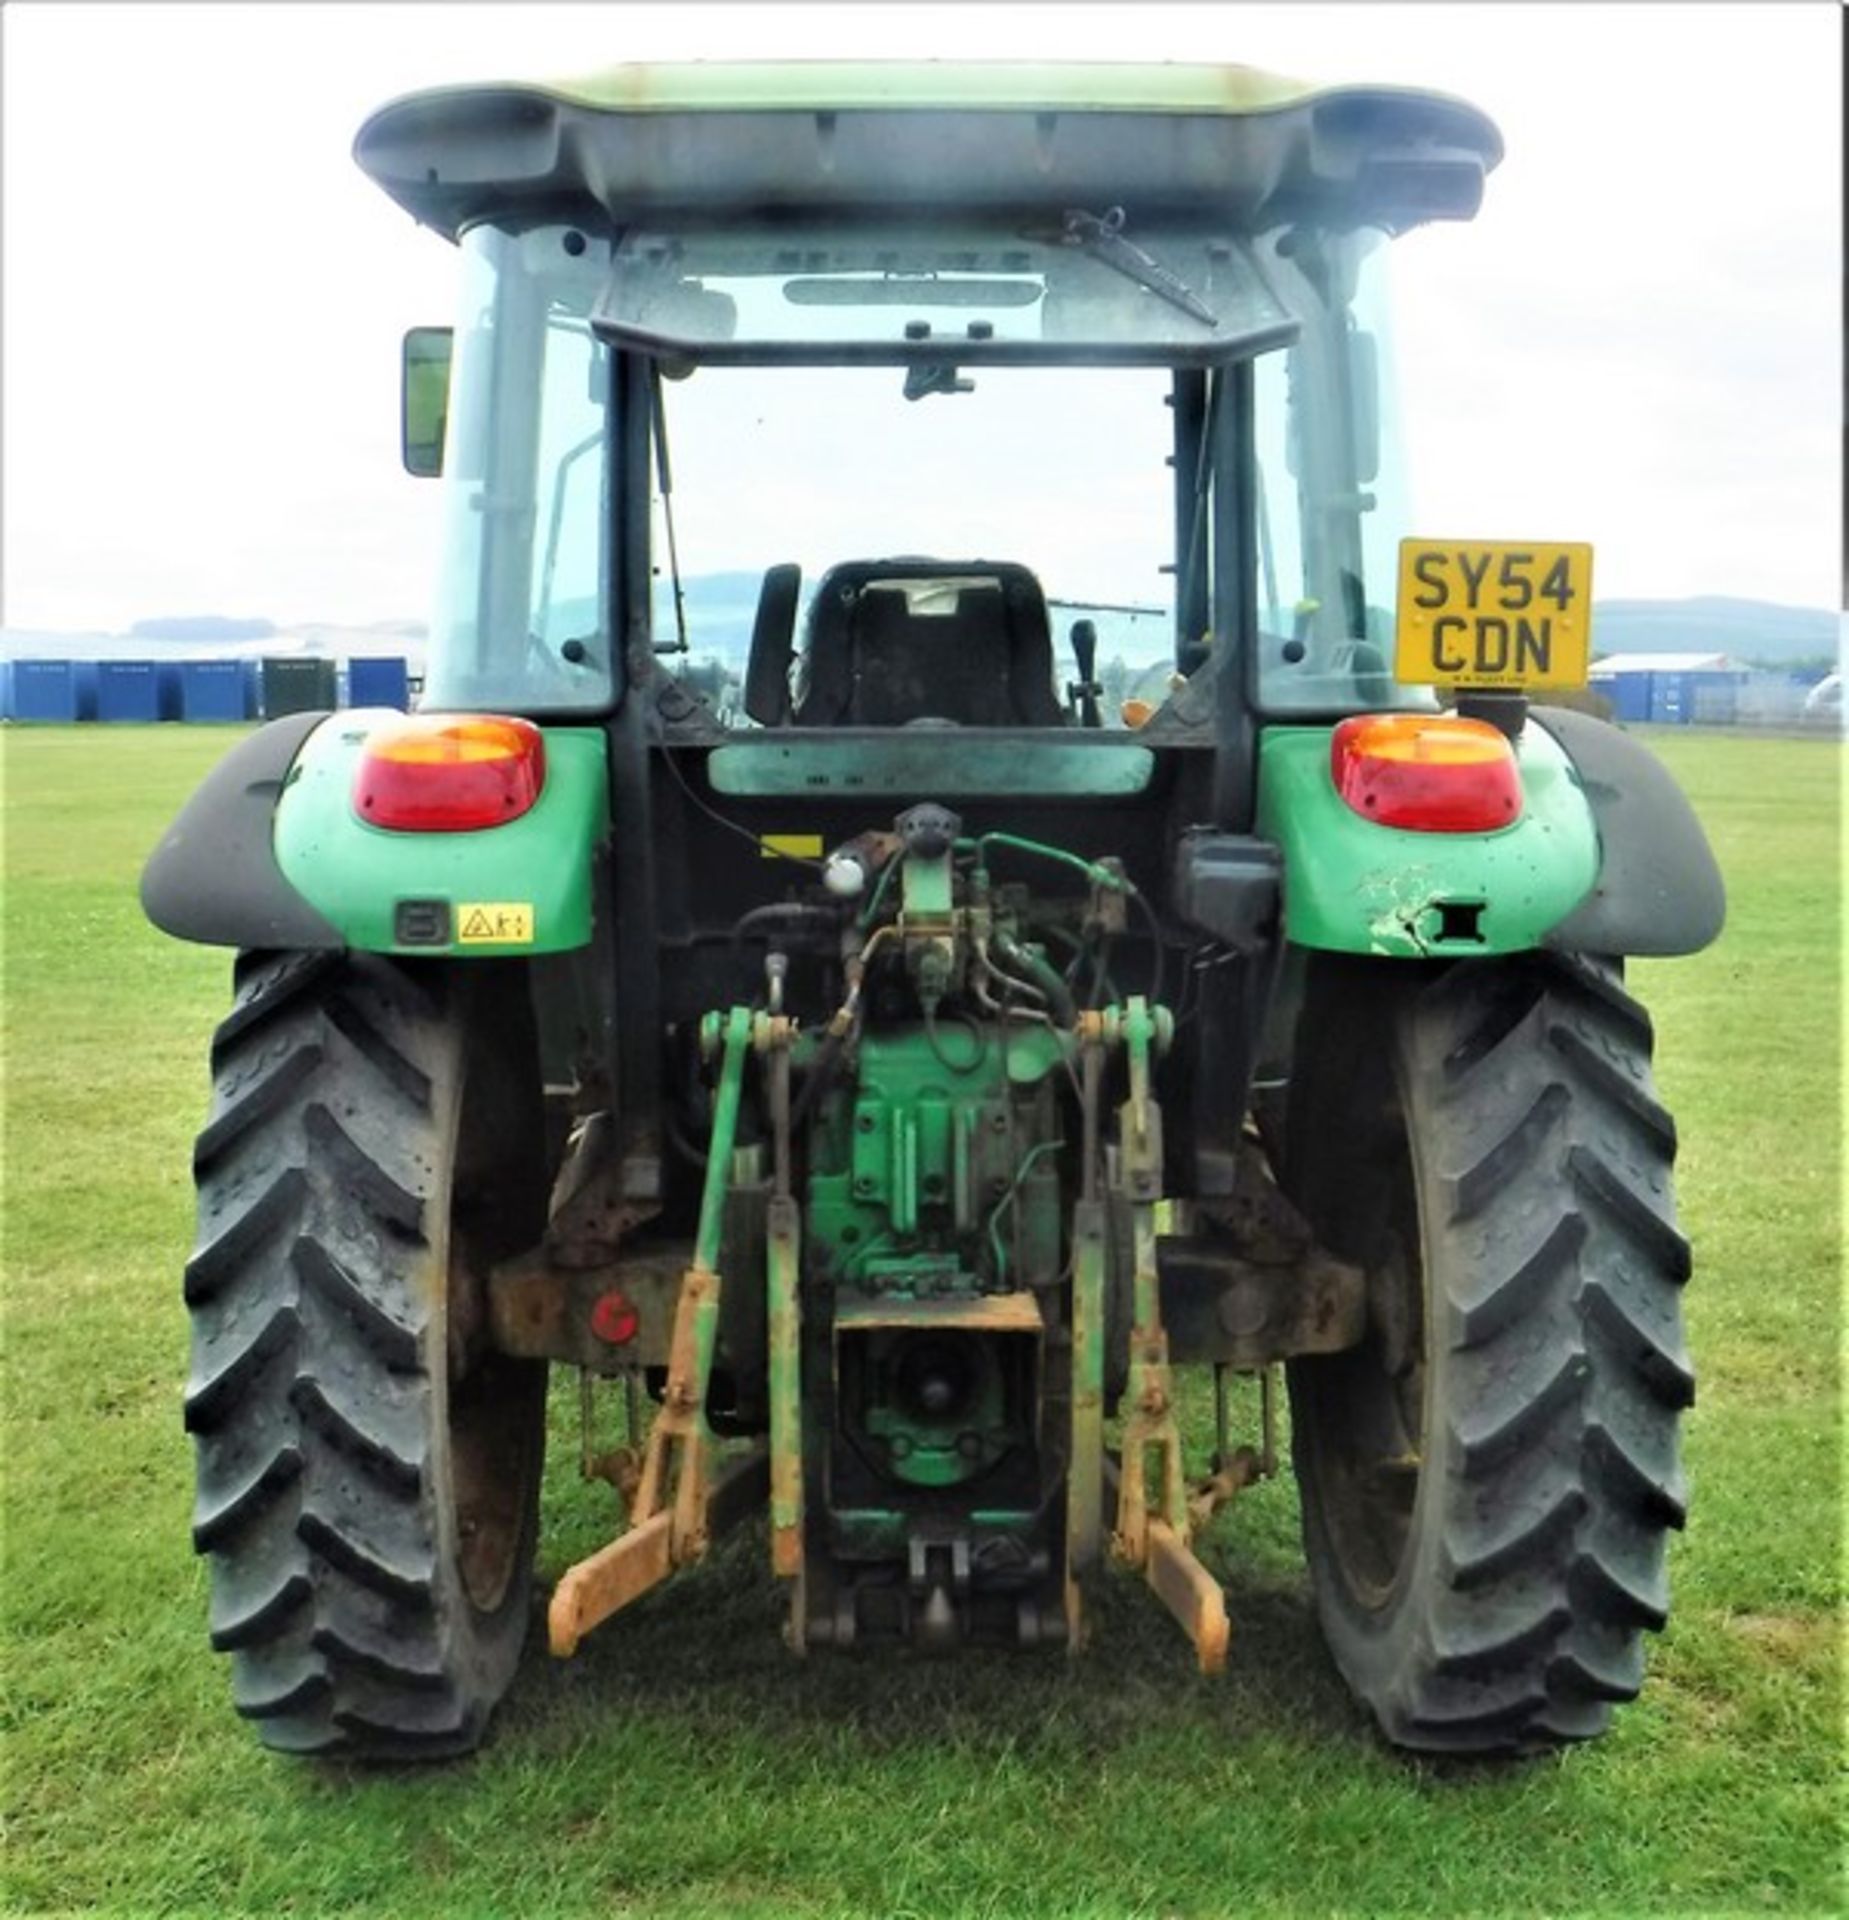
x: 210, y: 629
x: 719, y: 608
x: 1758, y: 631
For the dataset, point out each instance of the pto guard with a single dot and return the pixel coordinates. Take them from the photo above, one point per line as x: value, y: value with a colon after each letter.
x: 1353, y: 886
x: 522, y: 887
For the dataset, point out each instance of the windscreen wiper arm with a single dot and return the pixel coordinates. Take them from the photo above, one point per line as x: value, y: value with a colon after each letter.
x: 1102, y: 237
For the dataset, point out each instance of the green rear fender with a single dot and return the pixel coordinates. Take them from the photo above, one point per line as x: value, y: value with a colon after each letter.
x: 1352, y: 886
x: 523, y: 887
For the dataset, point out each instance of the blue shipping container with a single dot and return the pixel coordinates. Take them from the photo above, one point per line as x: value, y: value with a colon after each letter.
x: 218, y: 689
x: 1630, y: 695
x: 378, y: 683
x: 57, y: 690
x: 137, y: 690
x: 1669, y: 699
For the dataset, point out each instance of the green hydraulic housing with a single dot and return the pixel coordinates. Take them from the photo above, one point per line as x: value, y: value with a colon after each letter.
x: 934, y: 1217
x: 935, y: 1173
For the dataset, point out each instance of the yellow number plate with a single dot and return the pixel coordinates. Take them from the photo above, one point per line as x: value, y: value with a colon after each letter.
x: 1494, y: 613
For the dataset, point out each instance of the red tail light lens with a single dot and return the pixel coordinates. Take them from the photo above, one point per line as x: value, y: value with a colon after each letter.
x: 449, y: 773
x: 1435, y: 773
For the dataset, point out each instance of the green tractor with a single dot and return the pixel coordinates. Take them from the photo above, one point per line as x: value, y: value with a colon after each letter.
x: 954, y: 862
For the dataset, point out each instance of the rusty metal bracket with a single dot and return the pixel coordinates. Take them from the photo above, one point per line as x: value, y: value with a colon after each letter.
x: 621, y: 1467
x: 1150, y: 1397
x: 603, y: 1193
x: 1238, y: 1471
x: 1245, y: 1283
x: 613, y: 1576
x: 644, y: 1555
x: 667, y: 1509
x: 1183, y: 1585
x: 680, y: 1499
x: 1156, y: 1515
x: 1085, y: 1401
x: 773, y: 1036
x: 1190, y: 1593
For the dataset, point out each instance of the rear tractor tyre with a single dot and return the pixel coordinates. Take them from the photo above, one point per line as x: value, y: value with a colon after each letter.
x: 1488, y: 1478
x: 367, y: 1467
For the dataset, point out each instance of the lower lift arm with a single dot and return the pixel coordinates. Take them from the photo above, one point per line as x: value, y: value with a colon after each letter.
x: 680, y: 1501
x: 1154, y: 1517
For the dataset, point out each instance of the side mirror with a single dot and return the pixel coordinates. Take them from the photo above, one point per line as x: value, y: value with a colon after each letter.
x: 424, y: 399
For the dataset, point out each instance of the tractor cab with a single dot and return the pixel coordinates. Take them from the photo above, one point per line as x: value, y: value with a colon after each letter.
x: 1125, y: 329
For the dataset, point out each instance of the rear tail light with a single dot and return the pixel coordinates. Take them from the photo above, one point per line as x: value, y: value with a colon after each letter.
x: 449, y: 773
x: 1435, y: 773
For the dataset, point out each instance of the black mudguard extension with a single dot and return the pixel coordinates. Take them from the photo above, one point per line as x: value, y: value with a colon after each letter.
x: 214, y: 876
x: 1658, y: 890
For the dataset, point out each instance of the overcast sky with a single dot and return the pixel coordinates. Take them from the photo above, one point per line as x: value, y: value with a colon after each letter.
x: 1638, y: 342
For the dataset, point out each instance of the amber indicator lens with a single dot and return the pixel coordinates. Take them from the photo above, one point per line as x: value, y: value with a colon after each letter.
x: 449, y: 773
x: 1433, y: 773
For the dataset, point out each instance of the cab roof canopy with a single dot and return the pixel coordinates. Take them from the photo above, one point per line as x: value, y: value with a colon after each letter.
x: 1227, y: 143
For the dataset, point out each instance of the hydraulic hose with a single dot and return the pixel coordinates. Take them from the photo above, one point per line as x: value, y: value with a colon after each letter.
x: 1043, y: 974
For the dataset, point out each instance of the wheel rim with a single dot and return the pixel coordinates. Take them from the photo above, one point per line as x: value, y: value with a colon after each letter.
x: 1368, y: 1443
x: 494, y: 1417
x: 491, y: 1464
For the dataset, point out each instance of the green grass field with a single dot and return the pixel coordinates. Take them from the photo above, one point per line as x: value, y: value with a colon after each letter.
x: 684, y: 1763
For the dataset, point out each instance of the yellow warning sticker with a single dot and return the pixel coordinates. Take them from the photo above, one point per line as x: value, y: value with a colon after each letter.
x: 790, y: 846
x: 483, y: 923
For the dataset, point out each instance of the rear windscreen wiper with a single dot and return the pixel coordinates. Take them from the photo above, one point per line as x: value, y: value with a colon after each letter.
x: 1102, y: 237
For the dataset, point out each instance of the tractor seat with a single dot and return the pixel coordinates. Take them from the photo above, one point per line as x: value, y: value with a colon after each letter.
x: 895, y: 642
